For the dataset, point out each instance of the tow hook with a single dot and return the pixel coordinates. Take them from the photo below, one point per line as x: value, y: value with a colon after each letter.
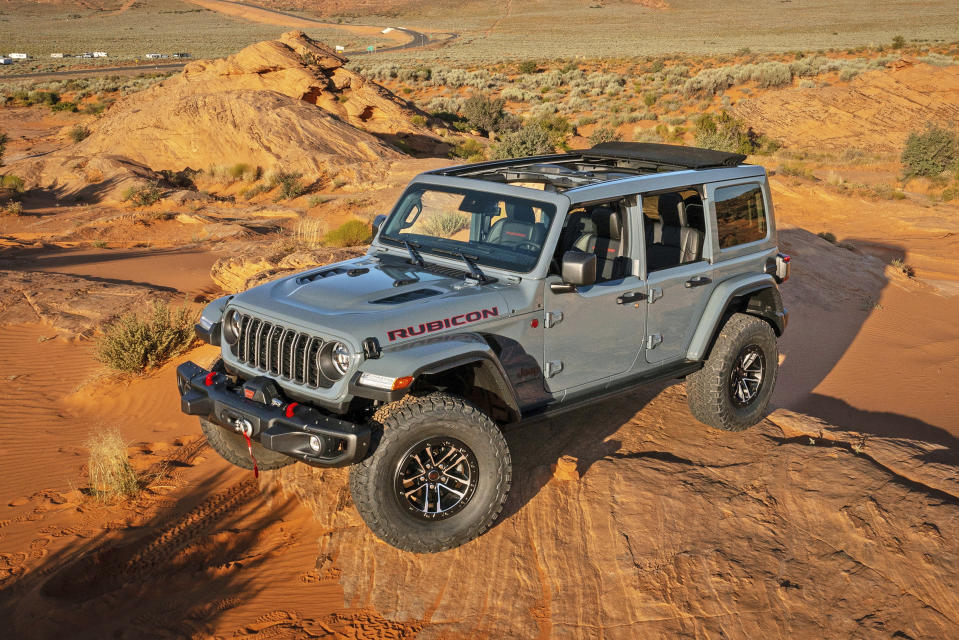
x: 244, y: 427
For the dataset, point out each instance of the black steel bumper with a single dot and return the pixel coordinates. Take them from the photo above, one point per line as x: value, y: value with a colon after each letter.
x: 300, y: 431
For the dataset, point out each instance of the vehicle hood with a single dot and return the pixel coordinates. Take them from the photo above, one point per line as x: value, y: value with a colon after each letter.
x: 375, y: 296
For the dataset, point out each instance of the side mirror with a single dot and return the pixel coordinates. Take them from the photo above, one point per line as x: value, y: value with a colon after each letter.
x: 579, y: 269
x: 377, y: 223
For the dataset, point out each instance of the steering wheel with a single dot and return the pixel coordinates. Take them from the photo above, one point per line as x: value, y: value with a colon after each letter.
x: 530, y: 246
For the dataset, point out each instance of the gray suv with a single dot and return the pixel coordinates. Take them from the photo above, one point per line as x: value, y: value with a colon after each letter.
x: 493, y: 293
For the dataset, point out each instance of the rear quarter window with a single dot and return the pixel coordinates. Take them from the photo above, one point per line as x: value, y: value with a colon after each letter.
x: 740, y: 214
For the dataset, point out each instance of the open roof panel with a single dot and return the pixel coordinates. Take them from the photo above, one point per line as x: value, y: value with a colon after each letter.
x: 603, y: 163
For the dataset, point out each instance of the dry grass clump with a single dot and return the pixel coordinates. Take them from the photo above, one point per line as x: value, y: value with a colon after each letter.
x: 309, y: 233
x: 133, y: 343
x: 233, y: 173
x: 111, y: 474
x: 348, y: 234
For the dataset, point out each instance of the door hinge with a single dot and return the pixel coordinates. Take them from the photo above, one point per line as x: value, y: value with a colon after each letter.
x: 654, y: 294
x: 553, y: 367
x: 553, y: 318
x: 653, y: 340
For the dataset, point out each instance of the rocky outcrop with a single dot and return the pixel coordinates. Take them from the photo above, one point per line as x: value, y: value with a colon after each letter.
x: 875, y: 112
x: 668, y: 529
x: 287, y: 104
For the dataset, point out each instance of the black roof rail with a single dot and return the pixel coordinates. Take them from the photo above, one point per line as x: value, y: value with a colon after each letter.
x: 665, y: 154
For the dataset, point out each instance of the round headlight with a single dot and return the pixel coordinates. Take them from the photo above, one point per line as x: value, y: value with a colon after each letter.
x: 341, y: 357
x: 231, y: 327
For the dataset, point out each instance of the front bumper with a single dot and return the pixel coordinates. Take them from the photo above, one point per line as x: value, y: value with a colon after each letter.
x: 286, y: 427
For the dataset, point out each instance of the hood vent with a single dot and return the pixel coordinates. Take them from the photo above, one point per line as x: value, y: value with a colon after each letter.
x: 407, y: 296
x: 319, y: 275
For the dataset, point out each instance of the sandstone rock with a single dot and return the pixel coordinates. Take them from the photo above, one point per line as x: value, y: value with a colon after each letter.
x: 674, y: 530
x: 875, y: 112
x: 74, y: 305
x: 565, y: 468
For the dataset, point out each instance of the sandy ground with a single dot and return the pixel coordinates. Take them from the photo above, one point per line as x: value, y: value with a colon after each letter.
x: 838, y: 513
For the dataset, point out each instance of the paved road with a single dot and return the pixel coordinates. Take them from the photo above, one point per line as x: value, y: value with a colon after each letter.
x: 417, y: 39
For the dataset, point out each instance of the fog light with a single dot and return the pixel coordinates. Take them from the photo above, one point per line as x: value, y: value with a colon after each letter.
x: 315, y: 444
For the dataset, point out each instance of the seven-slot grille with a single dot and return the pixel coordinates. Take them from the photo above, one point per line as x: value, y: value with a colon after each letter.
x: 281, y: 351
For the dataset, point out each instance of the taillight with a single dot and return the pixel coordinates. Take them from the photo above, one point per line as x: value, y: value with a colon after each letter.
x: 782, y: 267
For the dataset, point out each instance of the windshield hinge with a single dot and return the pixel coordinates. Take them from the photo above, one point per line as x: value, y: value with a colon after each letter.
x: 553, y: 367
x: 654, y: 295
x: 653, y: 340
x: 553, y: 318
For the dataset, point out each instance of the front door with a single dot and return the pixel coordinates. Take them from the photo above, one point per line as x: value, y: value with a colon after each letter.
x: 593, y: 333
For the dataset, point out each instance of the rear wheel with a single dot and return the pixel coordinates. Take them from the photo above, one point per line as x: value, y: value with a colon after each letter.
x: 438, y: 476
x: 732, y: 391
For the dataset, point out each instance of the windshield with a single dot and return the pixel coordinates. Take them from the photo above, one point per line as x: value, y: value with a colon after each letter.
x: 493, y: 230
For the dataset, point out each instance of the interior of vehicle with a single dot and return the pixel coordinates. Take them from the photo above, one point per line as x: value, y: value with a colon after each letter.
x: 596, y: 229
x: 675, y: 225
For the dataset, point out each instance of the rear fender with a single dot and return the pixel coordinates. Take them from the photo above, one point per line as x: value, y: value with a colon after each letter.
x: 755, y: 294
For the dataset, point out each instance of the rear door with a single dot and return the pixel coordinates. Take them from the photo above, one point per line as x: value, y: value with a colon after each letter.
x: 679, y: 278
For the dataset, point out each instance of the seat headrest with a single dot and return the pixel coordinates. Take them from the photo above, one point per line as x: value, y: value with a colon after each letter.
x: 672, y: 213
x: 607, y: 221
x: 577, y: 225
x: 518, y: 212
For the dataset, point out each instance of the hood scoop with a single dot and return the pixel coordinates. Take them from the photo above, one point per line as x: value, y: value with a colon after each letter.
x: 408, y: 296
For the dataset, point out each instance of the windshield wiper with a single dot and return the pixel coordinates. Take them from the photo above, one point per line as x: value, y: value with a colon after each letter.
x: 475, y: 271
x: 414, y: 254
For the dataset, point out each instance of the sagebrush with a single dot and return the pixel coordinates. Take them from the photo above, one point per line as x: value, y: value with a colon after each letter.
x: 134, y: 343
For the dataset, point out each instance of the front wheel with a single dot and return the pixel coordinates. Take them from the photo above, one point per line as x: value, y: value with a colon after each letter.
x: 438, y: 476
x: 732, y: 391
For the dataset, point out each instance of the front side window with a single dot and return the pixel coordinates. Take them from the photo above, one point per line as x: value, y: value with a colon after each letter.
x: 740, y: 214
x: 492, y: 230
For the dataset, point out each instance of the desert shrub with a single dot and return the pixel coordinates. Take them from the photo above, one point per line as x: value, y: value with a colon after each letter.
x: 725, y: 133
x: 96, y: 108
x: 309, y: 232
x: 290, y: 184
x: 469, y: 149
x: 182, y: 179
x: 898, y: 42
x: 646, y: 135
x: 143, y: 194
x: 527, y: 67
x: 11, y: 182
x: 900, y: 265
x: 445, y: 225
x: 930, y: 152
x: 486, y: 114
x: 65, y: 106
x: 79, y: 132
x: 531, y: 140
x: 317, y: 200
x: 257, y: 189
x: 603, y: 134
x: 828, y: 237
x: 13, y: 208
x: 650, y: 98
x: 134, y: 343
x: 418, y: 120
x: 796, y: 170
x: 3, y: 145
x: 111, y: 474
x: 348, y: 234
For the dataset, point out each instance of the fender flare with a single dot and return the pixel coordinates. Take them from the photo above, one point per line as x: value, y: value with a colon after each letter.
x: 762, y: 299
x: 434, y: 355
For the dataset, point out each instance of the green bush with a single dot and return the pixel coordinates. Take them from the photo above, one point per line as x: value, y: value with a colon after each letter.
x: 486, y: 114
x: 134, y: 343
x: 931, y: 152
x: 289, y: 182
x: 79, y: 132
x: 532, y: 140
x: 527, y: 67
x: 349, y: 234
x: 3, y: 145
x: 257, y: 189
x: 143, y: 194
x: 602, y: 134
x: 11, y: 182
x: 725, y: 133
x: 469, y: 149
x: 898, y: 42
x: 65, y: 106
x: 418, y: 120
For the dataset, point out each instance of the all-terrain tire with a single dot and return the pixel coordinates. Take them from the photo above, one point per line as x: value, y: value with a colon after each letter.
x: 232, y: 446
x: 710, y: 391
x: 399, y: 429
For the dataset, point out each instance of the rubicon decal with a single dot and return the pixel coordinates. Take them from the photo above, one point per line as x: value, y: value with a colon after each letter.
x: 439, y: 325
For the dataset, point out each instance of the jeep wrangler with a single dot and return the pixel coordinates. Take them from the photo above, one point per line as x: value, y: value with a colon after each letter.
x: 491, y: 294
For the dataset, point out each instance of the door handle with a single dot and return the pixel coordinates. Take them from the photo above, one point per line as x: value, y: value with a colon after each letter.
x: 630, y: 296
x: 698, y: 281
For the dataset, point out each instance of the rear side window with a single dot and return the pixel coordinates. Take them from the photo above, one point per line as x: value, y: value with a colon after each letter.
x: 740, y: 214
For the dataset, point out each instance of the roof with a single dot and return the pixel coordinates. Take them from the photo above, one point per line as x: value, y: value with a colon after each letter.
x: 603, y: 163
x: 667, y: 154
